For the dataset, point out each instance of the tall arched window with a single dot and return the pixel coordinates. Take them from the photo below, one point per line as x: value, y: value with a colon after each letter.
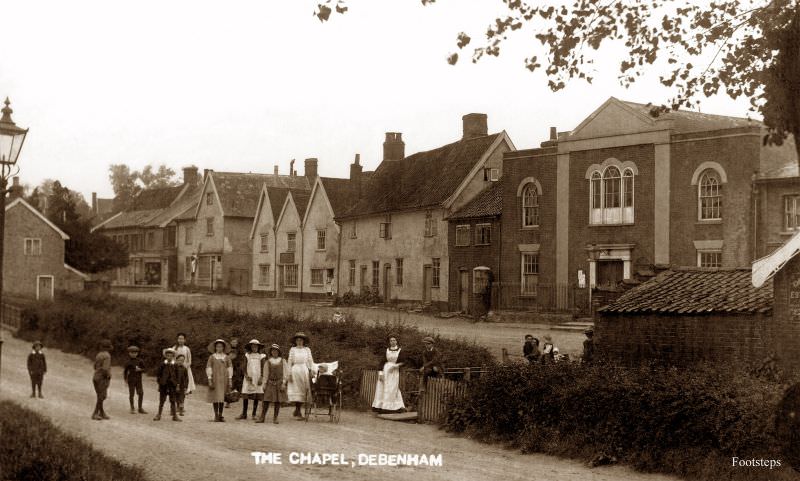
x: 530, y: 206
x: 709, y: 194
x: 611, y: 192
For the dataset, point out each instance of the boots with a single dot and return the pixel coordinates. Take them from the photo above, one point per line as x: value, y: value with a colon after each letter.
x: 244, y: 410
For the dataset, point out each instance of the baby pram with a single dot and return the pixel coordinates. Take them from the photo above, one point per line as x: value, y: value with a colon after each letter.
x: 326, y: 392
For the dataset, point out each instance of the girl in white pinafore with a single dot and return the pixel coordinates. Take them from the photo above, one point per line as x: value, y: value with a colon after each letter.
x: 387, y: 390
x: 252, y: 386
x: 300, y: 365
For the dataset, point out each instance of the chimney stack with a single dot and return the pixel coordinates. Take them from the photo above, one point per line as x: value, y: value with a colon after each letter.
x: 553, y: 133
x: 393, y: 147
x: 311, y: 168
x: 16, y: 190
x: 475, y: 125
x: 94, y: 203
x: 276, y: 171
x: 190, y: 175
x: 291, y: 168
x: 355, y: 175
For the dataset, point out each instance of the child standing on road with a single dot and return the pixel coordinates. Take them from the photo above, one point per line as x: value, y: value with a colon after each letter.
x: 37, y: 366
x: 181, y: 382
x: 252, y: 387
x: 167, y: 384
x: 102, y: 378
x: 133, y: 377
x: 274, y: 374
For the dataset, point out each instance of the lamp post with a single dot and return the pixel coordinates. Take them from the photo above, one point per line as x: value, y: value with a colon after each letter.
x: 11, y: 140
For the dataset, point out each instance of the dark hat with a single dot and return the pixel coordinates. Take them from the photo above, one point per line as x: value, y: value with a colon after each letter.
x: 588, y: 330
x: 275, y: 346
x: 37, y: 343
x: 133, y: 348
x: 105, y: 345
x: 300, y: 334
x: 427, y: 340
x: 212, y: 345
x: 529, y: 336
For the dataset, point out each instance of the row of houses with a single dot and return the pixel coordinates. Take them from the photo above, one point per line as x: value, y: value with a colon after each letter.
x: 478, y: 224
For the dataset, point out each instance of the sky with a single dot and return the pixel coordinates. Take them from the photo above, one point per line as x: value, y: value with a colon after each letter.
x: 245, y: 85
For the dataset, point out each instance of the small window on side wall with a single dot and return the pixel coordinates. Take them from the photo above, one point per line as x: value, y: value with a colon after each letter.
x: 709, y: 195
x: 530, y: 205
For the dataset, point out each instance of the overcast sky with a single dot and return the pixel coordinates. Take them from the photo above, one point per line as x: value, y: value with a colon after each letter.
x: 245, y: 85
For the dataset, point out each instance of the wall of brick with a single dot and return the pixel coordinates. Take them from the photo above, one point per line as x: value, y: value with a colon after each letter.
x: 783, y: 332
x: 771, y: 229
x: 640, y: 233
x: 518, y: 166
x: 738, y: 153
x: 463, y: 259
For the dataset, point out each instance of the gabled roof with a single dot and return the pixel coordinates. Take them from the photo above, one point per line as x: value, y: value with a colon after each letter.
x: 277, y: 199
x: 149, y: 208
x: 157, y: 198
x: 298, y: 198
x: 424, y: 179
x: 239, y: 193
x: 488, y: 203
x: 188, y: 200
x: 19, y: 201
x: 133, y: 218
x: 684, y: 121
x: 76, y: 272
x: 695, y: 291
x: 765, y: 268
x: 341, y: 193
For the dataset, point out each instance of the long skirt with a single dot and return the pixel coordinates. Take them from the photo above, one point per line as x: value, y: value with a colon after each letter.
x: 299, y: 384
x: 387, y: 391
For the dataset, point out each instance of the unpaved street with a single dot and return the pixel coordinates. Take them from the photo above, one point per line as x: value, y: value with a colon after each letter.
x: 198, y: 449
x: 493, y: 335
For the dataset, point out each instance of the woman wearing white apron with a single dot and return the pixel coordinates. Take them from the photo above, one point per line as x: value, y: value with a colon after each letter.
x: 300, y: 365
x: 182, y: 348
x: 252, y: 386
x: 387, y: 390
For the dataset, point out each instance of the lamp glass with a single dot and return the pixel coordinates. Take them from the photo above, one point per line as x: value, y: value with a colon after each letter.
x: 11, y: 141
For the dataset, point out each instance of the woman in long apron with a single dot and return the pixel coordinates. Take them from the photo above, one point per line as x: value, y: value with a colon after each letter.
x: 387, y: 390
x: 182, y: 348
x: 252, y: 386
x: 219, y: 371
x: 300, y: 365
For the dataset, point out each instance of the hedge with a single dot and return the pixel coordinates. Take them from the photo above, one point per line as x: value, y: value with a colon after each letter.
x: 77, y: 322
x: 32, y: 449
x: 689, y: 423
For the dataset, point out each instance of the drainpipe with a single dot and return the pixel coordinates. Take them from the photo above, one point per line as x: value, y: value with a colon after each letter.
x: 302, y: 266
x: 754, y: 190
x: 338, y: 260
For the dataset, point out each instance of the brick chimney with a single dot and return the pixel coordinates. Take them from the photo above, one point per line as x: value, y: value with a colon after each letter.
x: 291, y: 167
x: 190, y: 176
x: 475, y: 125
x: 393, y: 147
x: 553, y: 140
x: 15, y: 191
x: 355, y: 175
x: 94, y: 203
x: 311, y: 168
x: 553, y: 133
x: 276, y: 171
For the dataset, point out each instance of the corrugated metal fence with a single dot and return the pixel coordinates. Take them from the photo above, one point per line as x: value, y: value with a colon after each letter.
x: 431, y: 404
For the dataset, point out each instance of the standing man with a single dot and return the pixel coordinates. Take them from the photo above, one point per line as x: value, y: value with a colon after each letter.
x: 588, y: 346
x: 431, y: 362
x: 531, y: 349
x: 237, y: 359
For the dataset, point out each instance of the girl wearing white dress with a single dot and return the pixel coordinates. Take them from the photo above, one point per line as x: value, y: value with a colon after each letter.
x: 387, y: 390
x: 182, y: 348
x: 300, y: 365
x: 252, y: 386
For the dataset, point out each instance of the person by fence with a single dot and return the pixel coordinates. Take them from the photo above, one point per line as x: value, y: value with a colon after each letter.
x: 387, y: 390
x: 431, y: 361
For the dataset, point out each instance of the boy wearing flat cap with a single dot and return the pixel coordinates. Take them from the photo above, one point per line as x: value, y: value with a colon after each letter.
x: 431, y: 361
x: 133, y: 377
x: 37, y: 366
x: 167, y: 384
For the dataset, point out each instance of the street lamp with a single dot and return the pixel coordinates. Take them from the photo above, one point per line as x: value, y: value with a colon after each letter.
x: 11, y: 140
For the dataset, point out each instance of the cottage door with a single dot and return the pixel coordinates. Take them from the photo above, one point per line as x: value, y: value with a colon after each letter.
x: 363, y: 279
x: 463, y: 291
x: 387, y: 286
x: 427, y: 282
x: 281, y: 273
x: 44, y: 289
x: 609, y: 273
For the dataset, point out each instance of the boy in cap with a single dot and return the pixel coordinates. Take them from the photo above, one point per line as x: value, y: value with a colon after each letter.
x: 181, y: 382
x: 431, y: 361
x: 167, y: 383
x: 133, y: 377
x: 37, y: 366
x: 531, y: 349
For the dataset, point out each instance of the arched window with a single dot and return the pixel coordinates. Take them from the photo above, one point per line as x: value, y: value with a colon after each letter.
x: 611, y: 192
x: 530, y: 205
x: 611, y: 187
x: 709, y: 194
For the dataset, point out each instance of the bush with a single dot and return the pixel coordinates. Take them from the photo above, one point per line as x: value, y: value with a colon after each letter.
x: 369, y: 297
x: 685, y: 422
x: 76, y: 323
x: 35, y: 450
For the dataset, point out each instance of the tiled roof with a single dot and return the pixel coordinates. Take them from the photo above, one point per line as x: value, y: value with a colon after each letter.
x: 421, y: 180
x: 157, y: 198
x: 341, y: 194
x: 301, y: 198
x: 684, y: 121
x: 133, y: 218
x: 695, y: 291
x: 488, y: 203
x: 779, y: 161
x: 187, y: 201
x: 239, y: 193
x: 277, y: 197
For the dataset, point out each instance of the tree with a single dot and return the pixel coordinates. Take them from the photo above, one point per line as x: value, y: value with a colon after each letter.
x: 127, y: 184
x: 85, y: 250
x: 741, y: 47
x: 42, y: 198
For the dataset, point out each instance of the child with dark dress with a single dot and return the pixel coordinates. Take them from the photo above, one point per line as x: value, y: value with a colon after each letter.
x: 133, y: 377
x: 273, y: 378
x: 167, y: 384
x: 102, y: 378
x: 37, y: 367
x: 181, y: 381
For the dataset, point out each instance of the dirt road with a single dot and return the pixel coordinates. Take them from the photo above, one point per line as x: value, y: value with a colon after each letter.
x: 494, y: 335
x: 198, y: 449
